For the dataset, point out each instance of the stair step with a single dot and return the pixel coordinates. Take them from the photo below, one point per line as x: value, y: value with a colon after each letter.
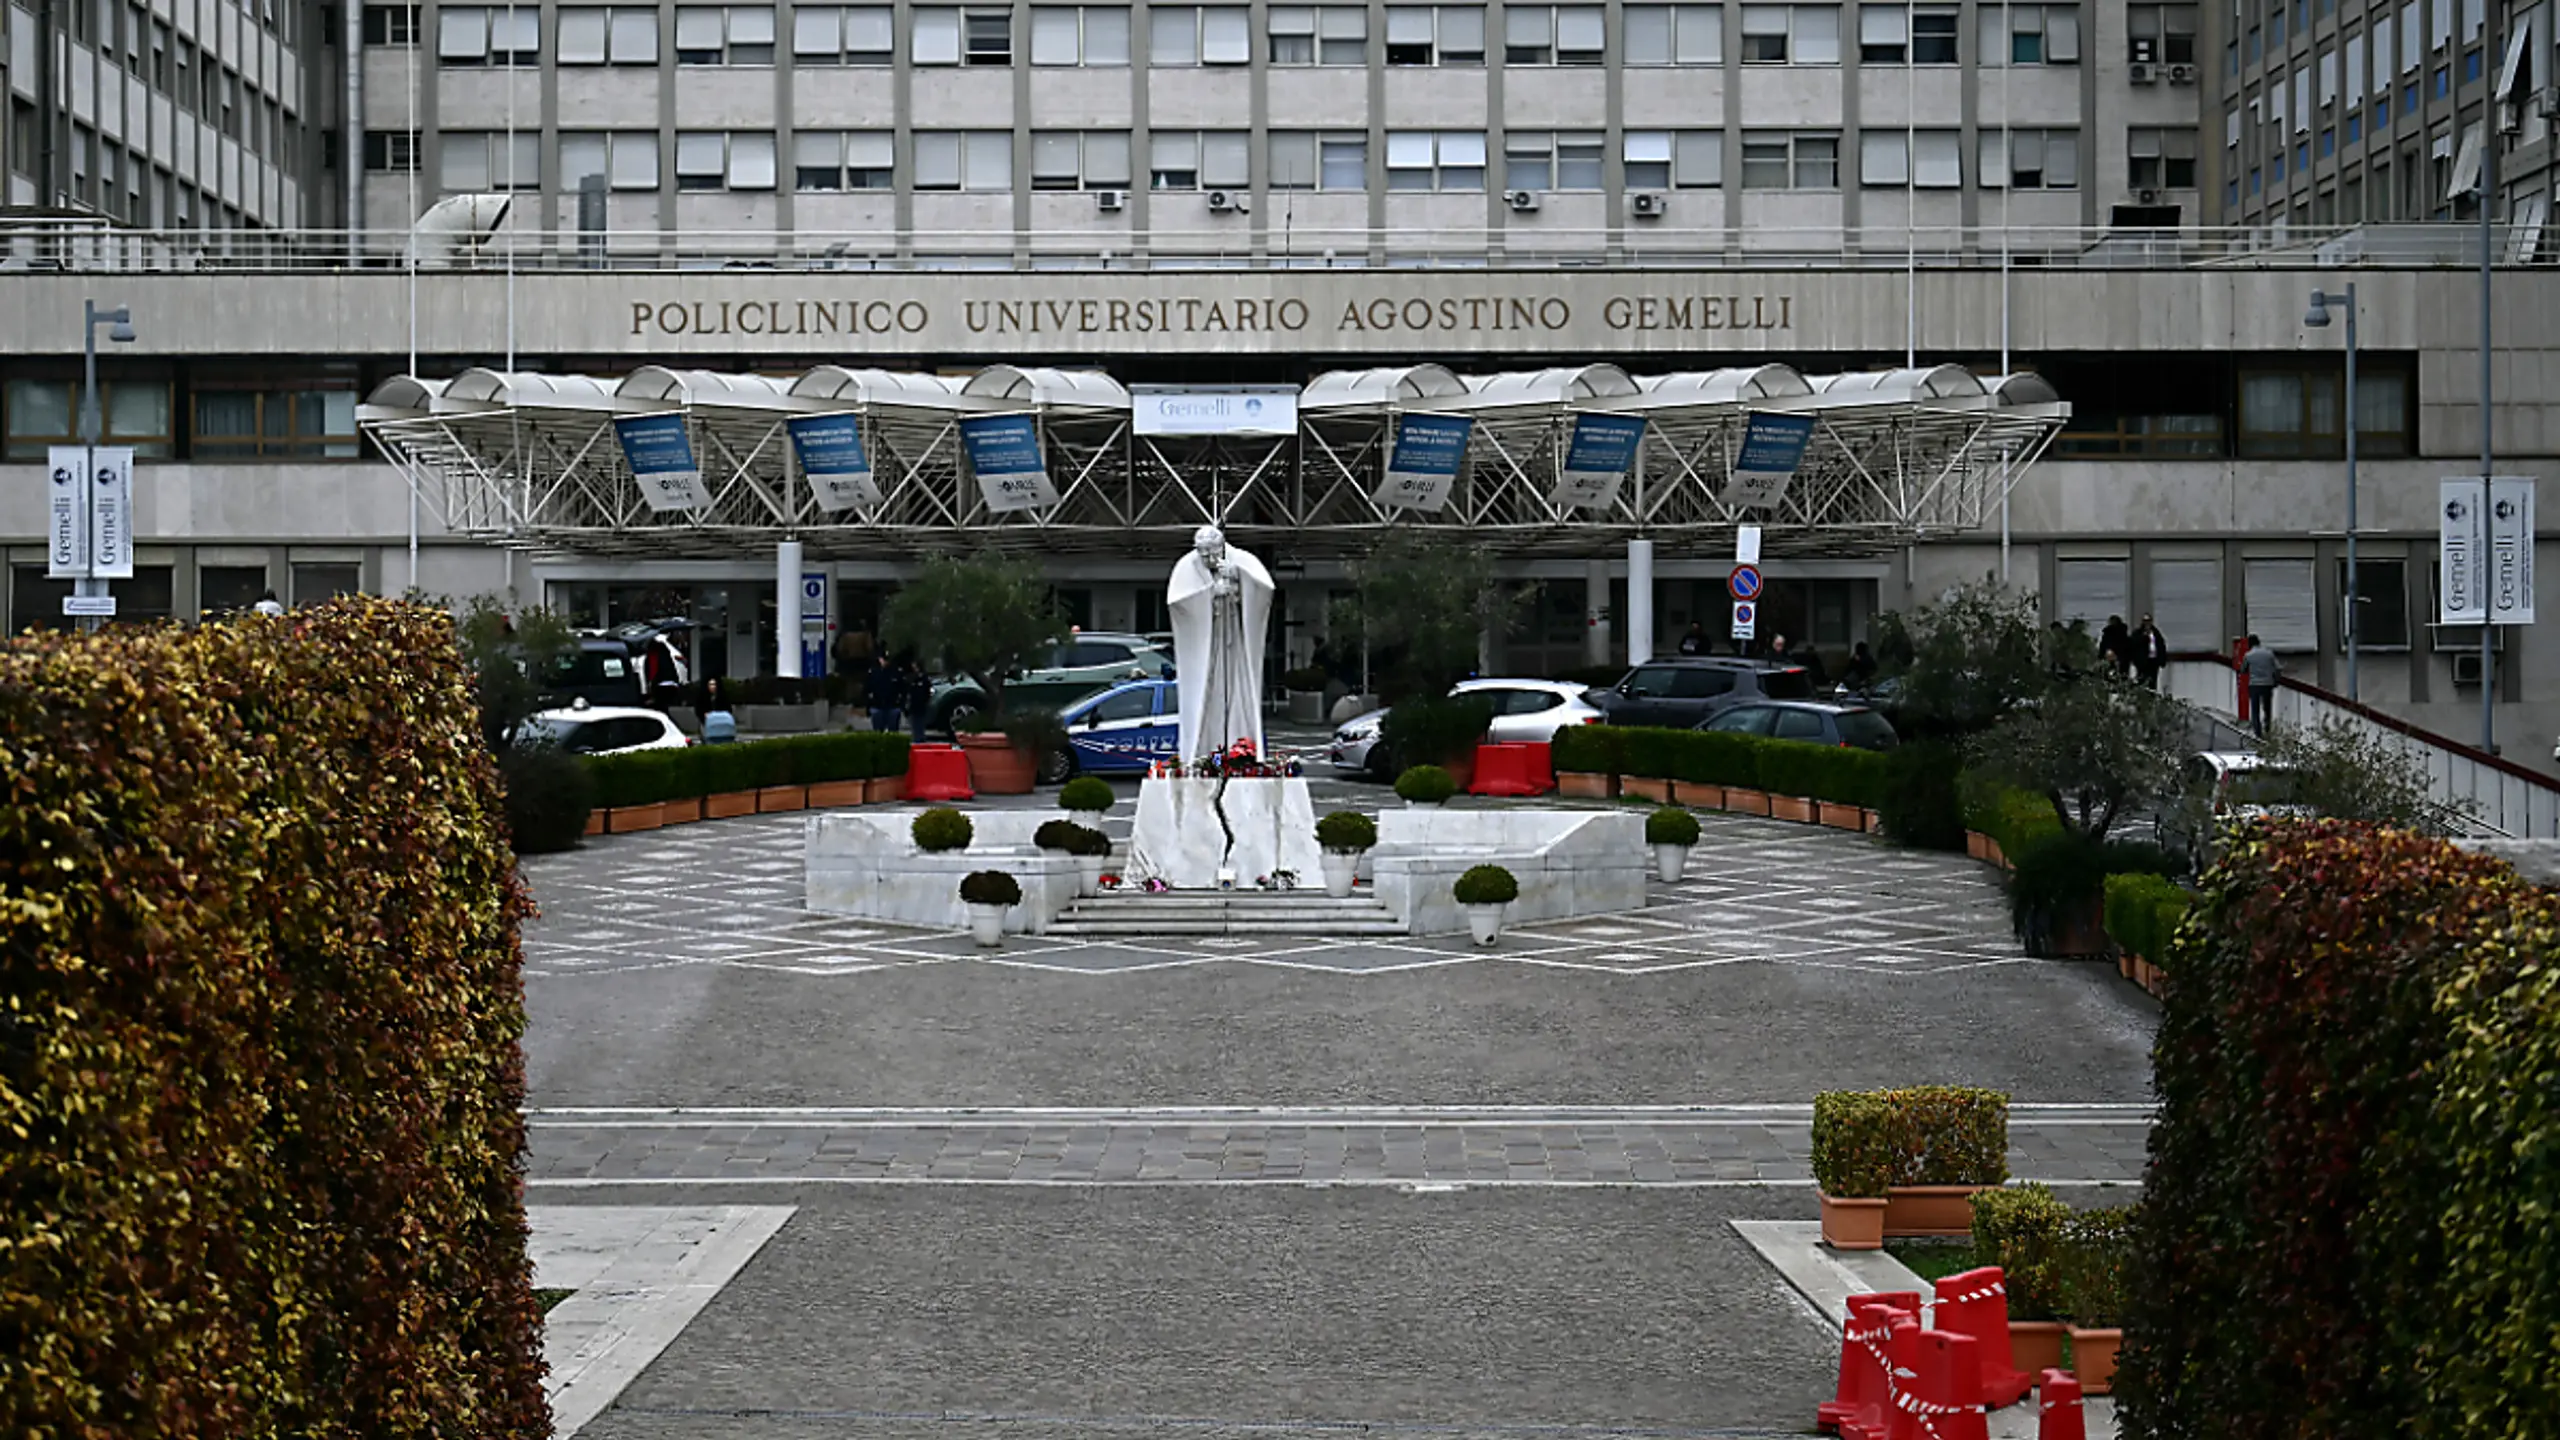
x: 1378, y: 929
x: 1227, y: 912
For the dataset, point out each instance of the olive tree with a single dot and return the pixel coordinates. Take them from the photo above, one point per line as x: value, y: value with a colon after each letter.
x: 2094, y: 746
x: 1969, y: 659
x: 2347, y: 771
x: 984, y: 616
x: 513, y: 656
x: 1422, y: 606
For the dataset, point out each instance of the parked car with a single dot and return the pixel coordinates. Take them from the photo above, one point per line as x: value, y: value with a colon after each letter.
x: 1524, y: 711
x: 1121, y: 731
x: 1818, y: 721
x: 1070, y: 672
x: 583, y: 729
x: 1682, y: 691
x: 600, y: 671
x: 2222, y: 787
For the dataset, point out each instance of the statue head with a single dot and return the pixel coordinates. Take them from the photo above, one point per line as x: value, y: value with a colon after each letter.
x: 1210, y: 544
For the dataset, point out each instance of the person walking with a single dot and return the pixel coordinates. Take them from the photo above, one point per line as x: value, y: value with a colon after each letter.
x: 2150, y: 652
x: 719, y: 723
x: 1695, y: 642
x: 918, y: 694
x: 884, y: 691
x: 2115, y: 645
x: 1861, y: 670
x: 2259, y: 665
x: 269, y: 605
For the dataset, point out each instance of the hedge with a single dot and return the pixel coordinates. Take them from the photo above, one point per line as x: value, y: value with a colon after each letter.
x: 260, y: 1025
x: 2349, y: 1230
x: 1590, y: 749
x: 2142, y: 912
x: 645, y: 777
x: 1840, y: 774
x: 1918, y: 1135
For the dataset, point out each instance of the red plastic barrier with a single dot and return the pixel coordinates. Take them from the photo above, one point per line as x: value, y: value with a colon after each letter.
x: 1976, y: 1303
x: 1512, y: 770
x: 1861, y: 1390
x: 2059, y: 1415
x: 938, y: 772
x: 1946, y: 1396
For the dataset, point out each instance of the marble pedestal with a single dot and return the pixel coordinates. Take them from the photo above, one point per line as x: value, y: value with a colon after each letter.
x: 1268, y: 825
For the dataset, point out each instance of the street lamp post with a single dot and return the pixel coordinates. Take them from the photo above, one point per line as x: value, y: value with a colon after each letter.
x: 2317, y: 317
x: 120, y: 330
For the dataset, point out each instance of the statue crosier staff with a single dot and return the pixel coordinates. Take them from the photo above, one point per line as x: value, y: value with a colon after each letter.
x: 1220, y: 598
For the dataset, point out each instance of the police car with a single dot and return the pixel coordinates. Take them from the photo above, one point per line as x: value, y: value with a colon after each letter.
x: 1123, y: 730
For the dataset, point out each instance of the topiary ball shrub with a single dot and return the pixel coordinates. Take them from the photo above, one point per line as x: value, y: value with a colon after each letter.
x: 1088, y: 842
x: 1671, y: 825
x: 2019, y: 1228
x: 1088, y: 793
x: 1058, y: 835
x: 1487, y: 885
x: 942, y: 828
x: 549, y: 796
x: 990, y: 887
x: 1347, y: 832
x: 1426, y: 785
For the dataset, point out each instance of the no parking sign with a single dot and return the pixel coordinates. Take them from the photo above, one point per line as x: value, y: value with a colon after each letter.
x: 1746, y: 619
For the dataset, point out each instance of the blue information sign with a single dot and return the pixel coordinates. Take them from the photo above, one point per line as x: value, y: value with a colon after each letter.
x: 660, y: 453
x: 1598, y: 456
x: 1424, y: 464
x: 1004, y: 453
x: 831, y: 455
x: 1773, y: 448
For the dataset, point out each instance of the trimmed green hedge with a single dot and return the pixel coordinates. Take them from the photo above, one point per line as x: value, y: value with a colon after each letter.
x: 2143, y: 911
x: 261, y: 1016
x: 1918, y: 1135
x: 1587, y: 748
x: 645, y: 777
x: 1839, y: 774
x: 2020, y: 1229
x: 2349, y: 1229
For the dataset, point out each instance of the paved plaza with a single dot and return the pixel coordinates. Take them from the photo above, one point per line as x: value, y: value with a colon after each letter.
x: 1255, y: 1183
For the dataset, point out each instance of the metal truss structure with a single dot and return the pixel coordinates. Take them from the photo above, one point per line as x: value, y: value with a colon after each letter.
x: 533, y: 461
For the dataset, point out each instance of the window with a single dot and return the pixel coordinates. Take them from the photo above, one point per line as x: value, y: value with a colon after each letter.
x: 724, y: 35
x: 949, y: 35
x: 2092, y: 591
x: 1780, y: 160
x: 724, y: 160
x: 1435, y: 35
x: 628, y: 159
x: 23, y: 134
x: 2280, y: 605
x: 1305, y: 160
x: 1535, y: 160
x: 848, y: 35
x: 1079, y: 160
x: 1672, y: 35
x: 2162, y: 34
x: 1919, y: 34
x: 827, y: 160
x: 1319, y: 35
x: 2037, y: 160
x: 299, y: 419
x: 2289, y: 410
x: 1435, y: 160
x: 964, y: 160
x: 391, y: 151
x: 228, y: 589
x: 472, y: 35
x: 314, y: 583
x: 2160, y: 159
x: 1928, y: 159
x: 2030, y: 35
x: 1790, y: 34
x: 608, y: 35
x: 1201, y: 35
x: 1091, y: 35
x: 42, y: 413
x: 391, y: 24
x: 1552, y: 35
x: 1674, y: 159
x: 2381, y: 592
x: 478, y: 160
x: 1208, y: 160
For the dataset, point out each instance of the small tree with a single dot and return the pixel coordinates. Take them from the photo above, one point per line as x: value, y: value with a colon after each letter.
x: 1422, y: 605
x: 1971, y: 658
x: 513, y: 657
x: 982, y: 616
x: 2347, y: 772
x: 2093, y: 747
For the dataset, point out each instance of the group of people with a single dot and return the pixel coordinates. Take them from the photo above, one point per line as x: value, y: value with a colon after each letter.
x: 1860, y: 673
x: 2138, y: 653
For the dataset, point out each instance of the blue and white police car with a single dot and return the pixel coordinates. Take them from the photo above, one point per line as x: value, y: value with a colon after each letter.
x: 1121, y: 731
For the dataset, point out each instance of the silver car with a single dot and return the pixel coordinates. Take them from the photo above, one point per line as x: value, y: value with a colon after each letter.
x: 1524, y: 712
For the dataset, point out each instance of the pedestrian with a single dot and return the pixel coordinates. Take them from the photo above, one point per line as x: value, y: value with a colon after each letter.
x: 1861, y: 671
x: 2261, y: 668
x: 719, y: 724
x: 268, y: 604
x: 1695, y: 642
x: 1778, y: 650
x: 1816, y: 673
x: 884, y: 690
x: 2115, y: 645
x: 918, y: 695
x: 2150, y: 652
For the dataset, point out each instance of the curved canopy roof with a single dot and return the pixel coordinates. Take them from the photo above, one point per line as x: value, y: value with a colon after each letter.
x: 1742, y: 385
x: 1901, y: 387
x: 527, y: 390
x: 657, y: 384
x: 1400, y: 385
x: 843, y: 385
x: 1564, y: 385
x: 1088, y: 389
x: 400, y: 397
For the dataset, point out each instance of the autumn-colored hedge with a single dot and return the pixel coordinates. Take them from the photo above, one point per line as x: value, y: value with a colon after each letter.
x: 2349, y: 1228
x: 260, y: 1078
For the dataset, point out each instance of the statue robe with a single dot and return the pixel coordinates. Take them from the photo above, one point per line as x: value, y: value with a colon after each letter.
x: 1217, y: 652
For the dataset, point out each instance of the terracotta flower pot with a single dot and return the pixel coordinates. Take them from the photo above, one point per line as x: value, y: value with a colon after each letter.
x: 1586, y: 784
x: 729, y: 806
x: 1875, y: 822
x: 1841, y: 817
x: 624, y: 819
x: 1977, y: 845
x: 884, y: 789
x: 1745, y: 802
x: 1916, y: 1211
x: 1646, y: 787
x: 1852, y: 1223
x: 2035, y: 1346
x: 1697, y: 796
x: 997, y: 766
x: 595, y: 822
x: 2125, y: 963
x: 2093, y: 1358
x: 827, y: 794
x: 1791, y: 807
x: 775, y: 798
x: 680, y: 812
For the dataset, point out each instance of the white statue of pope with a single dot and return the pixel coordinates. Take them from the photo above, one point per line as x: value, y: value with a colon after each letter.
x: 1221, y: 603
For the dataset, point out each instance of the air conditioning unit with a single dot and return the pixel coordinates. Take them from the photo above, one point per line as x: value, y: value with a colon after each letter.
x: 2146, y: 197
x: 2142, y: 73
x: 1648, y: 205
x: 1521, y: 200
x: 2547, y: 101
x: 2182, y: 74
x: 1225, y: 202
x: 2466, y: 670
x: 1110, y: 202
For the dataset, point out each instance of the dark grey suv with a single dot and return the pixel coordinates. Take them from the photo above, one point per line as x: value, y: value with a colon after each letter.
x: 1682, y: 691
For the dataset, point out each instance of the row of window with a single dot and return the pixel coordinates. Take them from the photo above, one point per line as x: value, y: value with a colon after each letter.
x: 302, y: 419
x: 2425, y: 26
x: 121, y: 183
x: 150, y: 593
x: 1445, y: 160
x: 193, y: 78
x: 2278, y: 596
x: 2259, y: 408
x: 1213, y: 35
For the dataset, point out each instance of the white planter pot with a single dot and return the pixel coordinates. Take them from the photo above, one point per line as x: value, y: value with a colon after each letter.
x: 1669, y: 861
x: 1340, y: 870
x: 1422, y: 804
x: 1089, y: 874
x: 986, y: 925
x: 1484, y: 922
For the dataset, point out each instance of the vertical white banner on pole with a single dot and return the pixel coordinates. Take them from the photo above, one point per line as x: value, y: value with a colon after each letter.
x: 2461, y: 595
x: 67, y: 513
x: 111, y: 512
x: 1746, y: 545
x: 2510, y: 557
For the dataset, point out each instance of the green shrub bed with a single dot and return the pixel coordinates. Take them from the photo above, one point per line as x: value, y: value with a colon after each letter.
x: 2349, y: 1229
x: 2143, y: 911
x: 1591, y: 749
x: 1839, y: 774
x: 1920, y: 1135
x: 260, y: 1024
x: 646, y: 777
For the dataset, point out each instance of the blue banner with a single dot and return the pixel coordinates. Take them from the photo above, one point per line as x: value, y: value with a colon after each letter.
x: 1602, y: 450
x: 1424, y: 464
x: 832, y: 457
x: 1004, y: 453
x: 660, y: 453
x: 1773, y: 448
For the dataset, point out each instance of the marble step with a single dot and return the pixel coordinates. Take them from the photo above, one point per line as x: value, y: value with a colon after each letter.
x: 1256, y: 913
